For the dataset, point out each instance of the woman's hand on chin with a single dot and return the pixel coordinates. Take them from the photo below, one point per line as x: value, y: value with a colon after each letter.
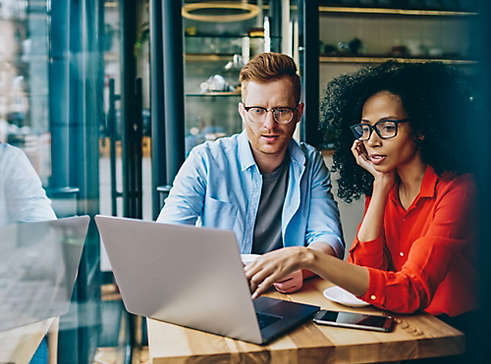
x: 383, y: 180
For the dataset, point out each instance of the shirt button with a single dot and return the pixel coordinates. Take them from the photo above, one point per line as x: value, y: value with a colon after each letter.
x: 401, y: 254
x: 373, y: 297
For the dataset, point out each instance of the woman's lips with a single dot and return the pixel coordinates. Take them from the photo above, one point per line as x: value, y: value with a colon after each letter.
x: 377, y: 158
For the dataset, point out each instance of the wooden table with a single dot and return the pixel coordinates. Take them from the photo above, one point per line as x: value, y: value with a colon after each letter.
x: 19, y: 345
x: 414, y: 336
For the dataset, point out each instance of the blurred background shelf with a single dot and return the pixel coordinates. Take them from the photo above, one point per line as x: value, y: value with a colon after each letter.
x: 377, y: 59
x: 206, y: 57
x: 353, y: 34
x: 391, y: 11
x: 219, y: 94
x: 215, y: 50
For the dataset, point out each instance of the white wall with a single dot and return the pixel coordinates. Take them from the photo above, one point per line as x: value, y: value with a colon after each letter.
x: 351, y: 214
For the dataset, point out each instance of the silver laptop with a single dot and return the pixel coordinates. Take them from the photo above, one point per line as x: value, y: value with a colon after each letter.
x: 192, y: 277
x: 38, y: 267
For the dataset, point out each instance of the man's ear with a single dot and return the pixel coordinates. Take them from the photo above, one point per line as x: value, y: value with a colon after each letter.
x: 241, y: 110
x: 300, y: 109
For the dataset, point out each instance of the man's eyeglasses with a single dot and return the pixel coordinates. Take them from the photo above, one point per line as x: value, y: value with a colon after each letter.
x: 282, y: 115
x: 385, y: 129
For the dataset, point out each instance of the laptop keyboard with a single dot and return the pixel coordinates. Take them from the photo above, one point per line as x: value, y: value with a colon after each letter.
x: 266, y: 320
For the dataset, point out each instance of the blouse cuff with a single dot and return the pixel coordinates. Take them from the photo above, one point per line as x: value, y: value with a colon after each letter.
x: 368, y: 253
x: 375, y: 294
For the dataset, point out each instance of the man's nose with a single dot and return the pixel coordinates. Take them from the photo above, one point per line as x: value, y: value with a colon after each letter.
x: 269, y: 121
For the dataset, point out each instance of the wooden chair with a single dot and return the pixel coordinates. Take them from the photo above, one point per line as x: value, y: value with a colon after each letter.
x: 53, y: 342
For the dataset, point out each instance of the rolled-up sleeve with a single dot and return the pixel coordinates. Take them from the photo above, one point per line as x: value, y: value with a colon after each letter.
x: 369, y: 253
x: 323, y: 221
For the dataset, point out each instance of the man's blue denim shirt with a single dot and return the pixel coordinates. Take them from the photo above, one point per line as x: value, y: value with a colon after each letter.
x: 219, y: 186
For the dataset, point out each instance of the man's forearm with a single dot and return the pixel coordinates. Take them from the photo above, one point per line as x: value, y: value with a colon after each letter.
x: 323, y: 247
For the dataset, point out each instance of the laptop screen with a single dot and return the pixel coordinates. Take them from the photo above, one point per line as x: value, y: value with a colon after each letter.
x: 38, y: 267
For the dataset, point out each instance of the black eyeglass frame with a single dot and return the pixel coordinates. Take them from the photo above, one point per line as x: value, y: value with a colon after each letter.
x: 374, y: 127
x: 274, y: 110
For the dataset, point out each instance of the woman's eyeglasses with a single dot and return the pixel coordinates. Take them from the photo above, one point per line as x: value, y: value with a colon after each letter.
x: 385, y: 129
x: 282, y: 115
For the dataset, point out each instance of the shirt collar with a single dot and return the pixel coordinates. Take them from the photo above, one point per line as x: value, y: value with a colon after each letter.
x: 296, y: 153
x: 428, y: 185
x: 246, y: 158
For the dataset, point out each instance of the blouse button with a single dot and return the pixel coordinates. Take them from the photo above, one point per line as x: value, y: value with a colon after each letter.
x: 401, y: 254
x: 373, y: 297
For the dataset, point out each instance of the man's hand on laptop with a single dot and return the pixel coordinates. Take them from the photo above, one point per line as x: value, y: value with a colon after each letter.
x: 291, y: 283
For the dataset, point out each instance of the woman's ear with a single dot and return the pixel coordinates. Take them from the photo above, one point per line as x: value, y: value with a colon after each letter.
x: 419, y: 140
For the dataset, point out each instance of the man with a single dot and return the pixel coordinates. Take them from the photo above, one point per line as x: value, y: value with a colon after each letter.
x: 22, y: 199
x: 261, y: 184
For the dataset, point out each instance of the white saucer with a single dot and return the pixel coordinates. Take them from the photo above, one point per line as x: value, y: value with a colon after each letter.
x: 339, y: 295
x: 248, y: 258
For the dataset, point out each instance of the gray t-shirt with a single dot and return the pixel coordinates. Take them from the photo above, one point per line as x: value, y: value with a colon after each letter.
x: 267, y: 229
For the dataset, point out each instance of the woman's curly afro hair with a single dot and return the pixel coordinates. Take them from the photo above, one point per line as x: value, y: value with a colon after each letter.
x: 436, y: 98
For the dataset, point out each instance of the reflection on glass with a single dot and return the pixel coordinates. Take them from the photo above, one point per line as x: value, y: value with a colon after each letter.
x: 38, y: 267
x: 24, y: 81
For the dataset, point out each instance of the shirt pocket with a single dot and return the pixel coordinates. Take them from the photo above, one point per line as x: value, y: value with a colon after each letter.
x: 219, y: 214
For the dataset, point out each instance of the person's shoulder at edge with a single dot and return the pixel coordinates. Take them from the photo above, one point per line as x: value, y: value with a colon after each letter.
x: 8, y: 151
x: 13, y: 159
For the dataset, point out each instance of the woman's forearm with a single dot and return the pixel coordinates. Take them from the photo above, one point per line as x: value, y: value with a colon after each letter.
x: 372, y: 225
x: 322, y: 247
x: 353, y: 278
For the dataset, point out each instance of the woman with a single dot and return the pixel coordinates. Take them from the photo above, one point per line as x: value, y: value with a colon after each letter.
x: 415, y: 247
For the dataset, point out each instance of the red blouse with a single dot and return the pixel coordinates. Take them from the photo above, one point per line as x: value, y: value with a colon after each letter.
x: 427, y: 256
